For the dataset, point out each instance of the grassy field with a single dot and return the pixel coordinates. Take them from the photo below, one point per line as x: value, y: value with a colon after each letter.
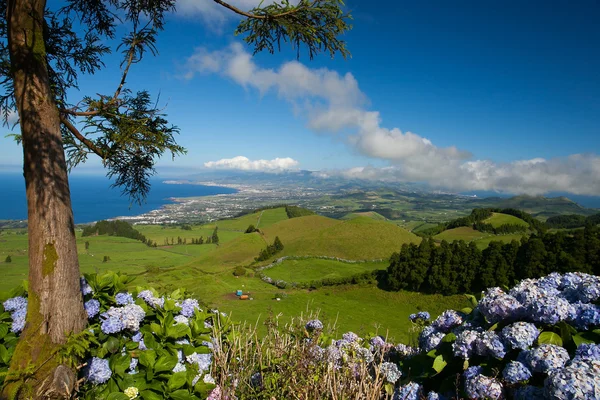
x: 313, y: 269
x: 483, y: 243
x: 462, y: 233
x: 498, y: 219
x: 367, y: 214
x: 207, y: 270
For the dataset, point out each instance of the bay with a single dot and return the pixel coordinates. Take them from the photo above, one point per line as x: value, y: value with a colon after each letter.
x: 93, y: 199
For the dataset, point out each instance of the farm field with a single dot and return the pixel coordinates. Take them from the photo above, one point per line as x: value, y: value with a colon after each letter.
x: 462, y: 233
x: 313, y: 269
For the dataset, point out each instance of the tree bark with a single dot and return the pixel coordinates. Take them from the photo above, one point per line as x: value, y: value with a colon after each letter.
x: 55, y: 302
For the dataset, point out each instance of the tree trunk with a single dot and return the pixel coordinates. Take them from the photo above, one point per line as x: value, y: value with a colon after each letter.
x: 55, y: 302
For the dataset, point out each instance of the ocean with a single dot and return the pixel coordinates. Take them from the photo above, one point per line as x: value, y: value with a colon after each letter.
x: 94, y: 200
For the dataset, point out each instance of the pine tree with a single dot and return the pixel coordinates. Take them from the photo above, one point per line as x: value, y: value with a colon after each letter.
x: 215, y: 236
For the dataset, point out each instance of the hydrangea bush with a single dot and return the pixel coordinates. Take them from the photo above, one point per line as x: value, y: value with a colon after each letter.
x: 537, y: 340
x: 141, y: 345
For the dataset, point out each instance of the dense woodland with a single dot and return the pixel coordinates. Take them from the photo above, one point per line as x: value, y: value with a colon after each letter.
x: 459, y: 267
x: 572, y: 221
x: 114, y: 228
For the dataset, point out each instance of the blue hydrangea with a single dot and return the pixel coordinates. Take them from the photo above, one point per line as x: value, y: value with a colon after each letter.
x: 447, y: 320
x: 132, y: 366
x: 85, y: 287
x: 472, y: 371
x: 256, y: 380
x: 181, y: 319
x: 431, y: 341
x: 498, y: 306
x: 350, y: 337
x: 188, y: 307
x: 585, y: 316
x: 520, y: 335
x: 92, y: 308
x: 179, y: 367
x: 18, y: 320
x: 528, y: 393
x: 148, y: 297
x: 111, y: 323
x: 587, y: 351
x: 435, y: 396
x: 115, y: 319
x: 489, y: 344
x: 464, y: 345
x: 203, y: 361
x: 549, y: 310
x: 377, y: 342
x: 515, y: 372
x: 410, y: 391
x: 333, y: 354
x: 314, y: 325
x: 579, y: 380
x: 420, y: 316
x: 404, y: 351
x: 124, y: 298
x: 551, y: 281
x: 15, y: 304
x: 544, y: 358
x: 97, y: 371
x: 479, y: 386
x: 390, y: 372
x: 139, y: 338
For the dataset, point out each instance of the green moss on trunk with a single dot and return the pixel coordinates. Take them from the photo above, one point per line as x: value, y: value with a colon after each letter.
x: 50, y: 259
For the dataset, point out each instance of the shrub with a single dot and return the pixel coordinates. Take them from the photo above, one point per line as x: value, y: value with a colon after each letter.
x: 8, y: 259
x: 239, y: 271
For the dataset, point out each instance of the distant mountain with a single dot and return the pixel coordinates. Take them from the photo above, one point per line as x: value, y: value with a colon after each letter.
x: 539, y: 206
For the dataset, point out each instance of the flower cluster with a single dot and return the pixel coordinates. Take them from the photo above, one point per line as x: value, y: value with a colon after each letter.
x: 17, y: 306
x: 124, y: 298
x: 314, y: 325
x: 117, y: 319
x: 97, y: 371
x: 188, y: 307
x: 421, y: 315
x: 150, y: 299
x: 92, y: 308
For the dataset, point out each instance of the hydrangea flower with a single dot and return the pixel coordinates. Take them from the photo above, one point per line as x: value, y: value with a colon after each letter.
x: 149, y: 298
x: 132, y: 392
x: 132, y: 366
x: 482, y: 387
x: 580, y: 380
x: 181, y: 319
x: 215, y: 394
x: 447, y: 320
x: 421, y: 315
x: 314, y: 325
x: 85, y: 287
x: 139, y: 338
x: 350, y: 337
x: 377, y: 342
x: 585, y: 315
x: 203, y: 361
x: 124, y: 298
x: 520, y: 335
x: 544, y: 358
x: 18, y: 320
x: 435, y: 396
x: 390, y: 372
x: 188, y: 307
x: 15, y: 304
x: 404, y: 351
x: 498, y: 306
x: 179, y: 367
x: 587, y: 351
x: 115, y: 319
x: 472, y: 371
x: 464, y: 345
x: 432, y: 341
x: 515, y: 372
x: 489, y: 344
x: 410, y: 391
x: 97, y: 371
x: 92, y: 308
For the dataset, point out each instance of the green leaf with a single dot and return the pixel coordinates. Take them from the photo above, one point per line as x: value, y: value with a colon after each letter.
x: 579, y: 340
x: 150, y: 395
x: 439, y: 364
x: 182, y: 394
x: 119, y: 364
x: 449, y: 338
x: 550, y: 338
x: 165, y: 363
x: 177, y: 380
x: 117, y: 396
x: 112, y: 345
x: 177, y: 331
x: 3, y: 330
x: 472, y: 299
x: 4, y: 355
x: 493, y: 328
x: 147, y: 358
x: 466, y: 310
x: 157, y: 329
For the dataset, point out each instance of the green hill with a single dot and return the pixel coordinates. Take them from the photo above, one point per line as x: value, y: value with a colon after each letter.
x: 367, y: 214
x: 539, y: 206
x: 356, y: 239
x: 498, y: 219
x: 462, y: 233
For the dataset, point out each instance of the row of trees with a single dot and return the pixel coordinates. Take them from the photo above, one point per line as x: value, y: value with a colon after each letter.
x: 479, y: 215
x: 270, y: 251
x: 114, y: 228
x: 572, y: 221
x: 459, y: 267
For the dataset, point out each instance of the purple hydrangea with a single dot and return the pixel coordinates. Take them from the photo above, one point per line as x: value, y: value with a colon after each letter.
x: 579, y: 380
x: 179, y: 367
x: 404, y: 351
x: 92, y: 308
x: 18, y: 320
x: 390, y: 372
x: 85, y: 287
x: 515, y: 372
x: 181, y: 319
x: 544, y: 358
x: 585, y: 316
x: 479, y: 386
x: 377, y: 342
x: 148, y: 297
x: 464, y: 345
x: 587, y: 352
x: 215, y: 394
x: 97, y: 371
x: 447, y: 320
x: 314, y: 325
x: 124, y: 298
x: 188, y: 307
x: 520, y: 335
x: 139, y: 338
x: 431, y: 341
x: 472, y: 371
x: 420, y: 316
x: 435, y: 396
x: 489, y: 344
x: 115, y: 319
x: 350, y: 337
x: 498, y: 306
x: 410, y: 391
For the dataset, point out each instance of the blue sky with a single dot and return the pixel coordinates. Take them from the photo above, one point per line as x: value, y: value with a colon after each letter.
x: 465, y: 95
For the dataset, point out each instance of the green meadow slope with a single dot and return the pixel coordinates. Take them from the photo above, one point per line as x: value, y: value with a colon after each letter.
x: 498, y: 219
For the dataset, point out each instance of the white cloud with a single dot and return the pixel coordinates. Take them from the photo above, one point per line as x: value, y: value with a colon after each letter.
x: 245, y: 164
x: 332, y: 102
x: 13, y: 117
x: 215, y: 13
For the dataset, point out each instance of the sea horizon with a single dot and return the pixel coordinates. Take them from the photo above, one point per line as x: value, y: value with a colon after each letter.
x: 93, y: 199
